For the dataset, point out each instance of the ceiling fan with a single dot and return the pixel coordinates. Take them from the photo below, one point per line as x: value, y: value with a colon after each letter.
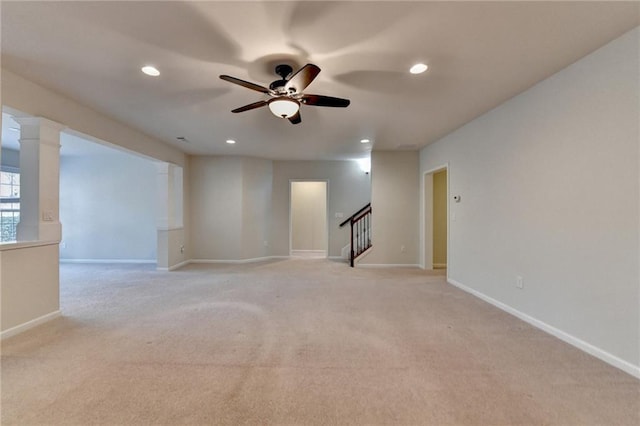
x: 286, y: 94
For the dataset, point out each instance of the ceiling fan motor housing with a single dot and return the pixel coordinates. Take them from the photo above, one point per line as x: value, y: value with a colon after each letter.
x: 284, y: 71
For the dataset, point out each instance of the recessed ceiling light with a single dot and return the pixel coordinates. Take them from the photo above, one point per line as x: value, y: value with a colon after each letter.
x: 364, y: 141
x: 418, y: 69
x: 230, y: 141
x: 150, y: 70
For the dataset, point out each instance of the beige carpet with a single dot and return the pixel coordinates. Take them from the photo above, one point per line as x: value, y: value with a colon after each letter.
x: 296, y: 342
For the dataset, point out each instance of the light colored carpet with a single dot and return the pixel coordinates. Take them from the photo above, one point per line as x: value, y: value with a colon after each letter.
x: 296, y: 342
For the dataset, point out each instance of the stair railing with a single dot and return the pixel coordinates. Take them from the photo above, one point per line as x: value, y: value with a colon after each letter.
x: 360, y: 223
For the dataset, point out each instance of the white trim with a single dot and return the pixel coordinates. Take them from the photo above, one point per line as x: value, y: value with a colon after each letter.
x: 170, y: 228
x: 360, y: 257
x: 174, y: 267
x: 107, y: 261
x: 29, y: 324
x: 238, y: 261
x: 309, y: 253
x: 9, y: 169
x: 601, y: 354
x: 345, y: 252
x: 337, y: 258
x: 178, y: 265
x: 26, y: 244
x: 387, y: 265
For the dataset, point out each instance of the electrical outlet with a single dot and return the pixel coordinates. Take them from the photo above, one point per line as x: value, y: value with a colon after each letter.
x: 181, y: 249
x: 266, y: 243
x: 519, y: 282
x: 402, y: 249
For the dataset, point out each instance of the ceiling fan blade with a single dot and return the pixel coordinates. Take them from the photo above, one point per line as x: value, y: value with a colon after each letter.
x: 250, y: 106
x: 296, y: 118
x: 326, y: 101
x: 246, y: 84
x: 300, y: 80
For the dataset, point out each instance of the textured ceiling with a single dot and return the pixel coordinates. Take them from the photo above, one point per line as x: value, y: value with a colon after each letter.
x: 479, y: 53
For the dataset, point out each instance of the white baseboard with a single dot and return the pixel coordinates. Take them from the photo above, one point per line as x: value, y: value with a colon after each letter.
x: 337, y: 258
x: 387, y: 265
x: 309, y: 253
x: 603, y: 355
x: 29, y: 324
x: 107, y: 261
x: 239, y: 261
x: 346, y: 251
x: 178, y: 265
x: 174, y: 267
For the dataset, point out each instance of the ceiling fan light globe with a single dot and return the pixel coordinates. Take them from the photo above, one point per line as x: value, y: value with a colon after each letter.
x: 284, y: 107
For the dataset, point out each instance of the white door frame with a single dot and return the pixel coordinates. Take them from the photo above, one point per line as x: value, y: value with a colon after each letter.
x: 426, y: 186
x: 291, y: 181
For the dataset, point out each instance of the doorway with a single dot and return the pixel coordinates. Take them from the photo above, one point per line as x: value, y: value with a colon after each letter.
x: 436, y: 223
x: 308, y: 228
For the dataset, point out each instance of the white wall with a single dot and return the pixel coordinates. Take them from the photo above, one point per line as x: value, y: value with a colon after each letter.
x: 216, y: 207
x: 108, y: 206
x: 29, y: 290
x: 257, y: 180
x: 309, y: 216
x: 349, y: 190
x: 550, y: 191
x: 238, y: 203
x: 394, y: 205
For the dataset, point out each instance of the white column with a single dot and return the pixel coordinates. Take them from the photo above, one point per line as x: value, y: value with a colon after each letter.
x: 39, y: 179
x: 164, y: 196
x: 169, y: 215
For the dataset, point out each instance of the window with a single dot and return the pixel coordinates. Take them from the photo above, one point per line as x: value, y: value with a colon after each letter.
x: 9, y: 205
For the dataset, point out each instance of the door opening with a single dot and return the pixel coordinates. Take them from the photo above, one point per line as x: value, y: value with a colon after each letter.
x: 436, y: 223
x: 308, y: 219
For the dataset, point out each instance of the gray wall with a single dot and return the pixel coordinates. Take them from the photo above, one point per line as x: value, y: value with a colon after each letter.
x: 107, y: 206
x: 550, y: 191
x: 216, y: 207
x: 256, y: 207
x: 239, y: 203
x: 349, y: 190
x: 394, y: 204
x: 231, y: 207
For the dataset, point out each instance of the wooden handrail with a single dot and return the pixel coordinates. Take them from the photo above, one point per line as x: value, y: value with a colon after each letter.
x: 354, y: 216
x: 360, y: 239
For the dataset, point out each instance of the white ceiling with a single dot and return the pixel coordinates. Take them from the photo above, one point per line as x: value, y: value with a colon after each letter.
x: 479, y: 53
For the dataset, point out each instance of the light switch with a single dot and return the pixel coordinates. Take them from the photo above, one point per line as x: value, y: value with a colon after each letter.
x: 339, y: 215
